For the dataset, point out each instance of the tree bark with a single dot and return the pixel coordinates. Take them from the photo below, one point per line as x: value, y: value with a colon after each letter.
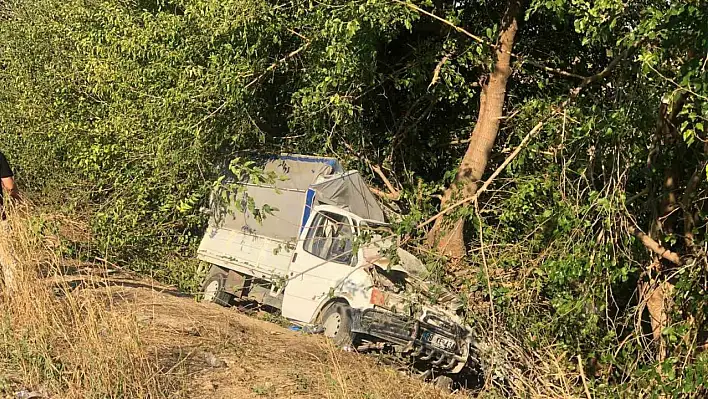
x: 448, y: 234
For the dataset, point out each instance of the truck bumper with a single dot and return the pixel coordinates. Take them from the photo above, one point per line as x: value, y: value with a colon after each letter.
x: 415, y: 337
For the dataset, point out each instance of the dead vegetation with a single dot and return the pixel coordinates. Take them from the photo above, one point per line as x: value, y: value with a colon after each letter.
x: 56, y: 340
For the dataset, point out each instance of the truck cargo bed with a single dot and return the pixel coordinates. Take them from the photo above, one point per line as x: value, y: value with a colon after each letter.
x: 258, y: 256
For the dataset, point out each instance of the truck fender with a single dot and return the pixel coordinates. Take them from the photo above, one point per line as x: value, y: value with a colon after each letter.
x: 325, y: 303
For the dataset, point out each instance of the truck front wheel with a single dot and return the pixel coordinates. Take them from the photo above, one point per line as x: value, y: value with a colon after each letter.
x: 213, y: 288
x: 337, y: 324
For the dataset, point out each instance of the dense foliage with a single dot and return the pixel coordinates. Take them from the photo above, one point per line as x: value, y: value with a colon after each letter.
x: 123, y: 112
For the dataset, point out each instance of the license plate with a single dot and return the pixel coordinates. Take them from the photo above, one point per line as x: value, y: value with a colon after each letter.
x: 438, y: 340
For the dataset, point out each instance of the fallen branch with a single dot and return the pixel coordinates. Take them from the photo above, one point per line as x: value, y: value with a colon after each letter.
x: 391, y: 196
x: 491, y: 178
x: 393, y: 193
x: 654, y: 246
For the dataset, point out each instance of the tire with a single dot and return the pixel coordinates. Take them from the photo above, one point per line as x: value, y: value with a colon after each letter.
x: 213, y: 287
x: 337, y: 324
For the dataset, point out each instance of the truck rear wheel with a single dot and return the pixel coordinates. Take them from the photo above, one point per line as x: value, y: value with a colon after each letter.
x: 337, y: 324
x: 213, y: 288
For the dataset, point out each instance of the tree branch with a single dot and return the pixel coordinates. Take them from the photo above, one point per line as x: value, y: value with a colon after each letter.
x: 390, y: 196
x: 276, y: 63
x: 654, y: 246
x: 602, y: 74
x: 436, y: 72
x: 489, y: 43
x: 393, y: 194
x: 573, y: 95
x: 489, y: 181
x: 615, y: 61
x: 389, y: 186
x: 637, y: 196
x: 678, y: 86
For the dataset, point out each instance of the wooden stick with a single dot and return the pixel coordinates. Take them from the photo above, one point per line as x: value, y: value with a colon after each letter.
x: 582, y: 375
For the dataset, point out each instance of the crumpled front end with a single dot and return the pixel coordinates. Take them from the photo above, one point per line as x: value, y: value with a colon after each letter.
x: 431, y: 338
x: 403, y: 316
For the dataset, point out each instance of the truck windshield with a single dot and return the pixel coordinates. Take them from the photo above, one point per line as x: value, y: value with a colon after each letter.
x: 330, y: 238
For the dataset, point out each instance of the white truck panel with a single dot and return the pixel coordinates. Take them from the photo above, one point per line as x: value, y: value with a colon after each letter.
x: 250, y: 254
x: 316, y: 281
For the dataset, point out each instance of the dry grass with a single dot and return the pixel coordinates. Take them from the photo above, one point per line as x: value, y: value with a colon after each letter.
x: 545, y: 372
x: 55, y: 339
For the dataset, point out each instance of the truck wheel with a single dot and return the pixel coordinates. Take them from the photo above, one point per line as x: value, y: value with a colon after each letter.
x: 337, y: 324
x: 213, y: 287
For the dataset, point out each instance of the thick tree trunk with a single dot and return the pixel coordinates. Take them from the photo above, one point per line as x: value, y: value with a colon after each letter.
x: 447, y: 234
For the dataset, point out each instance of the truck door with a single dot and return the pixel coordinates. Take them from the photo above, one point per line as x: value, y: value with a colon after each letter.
x: 320, y: 266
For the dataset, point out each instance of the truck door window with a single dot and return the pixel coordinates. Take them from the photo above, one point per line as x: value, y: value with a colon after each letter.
x: 330, y: 238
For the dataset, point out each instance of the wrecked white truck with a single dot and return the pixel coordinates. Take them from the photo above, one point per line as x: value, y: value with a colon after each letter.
x: 320, y: 258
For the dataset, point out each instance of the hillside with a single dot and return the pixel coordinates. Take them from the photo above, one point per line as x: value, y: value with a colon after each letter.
x: 225, y: 353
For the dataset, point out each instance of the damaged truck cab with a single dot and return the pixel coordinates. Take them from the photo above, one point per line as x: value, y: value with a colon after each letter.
x: 325, y: 258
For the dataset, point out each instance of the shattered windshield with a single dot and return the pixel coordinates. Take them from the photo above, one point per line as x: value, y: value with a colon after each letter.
x: 375, y: 226
x: 375, y: 239
x: 376, y: 234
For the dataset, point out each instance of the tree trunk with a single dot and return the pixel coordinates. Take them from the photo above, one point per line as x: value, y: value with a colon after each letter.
x: 658, y: 294
x: 447, y: 234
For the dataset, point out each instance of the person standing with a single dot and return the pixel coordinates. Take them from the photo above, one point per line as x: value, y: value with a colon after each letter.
x: 8, y: 263
x: 8, y: 180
